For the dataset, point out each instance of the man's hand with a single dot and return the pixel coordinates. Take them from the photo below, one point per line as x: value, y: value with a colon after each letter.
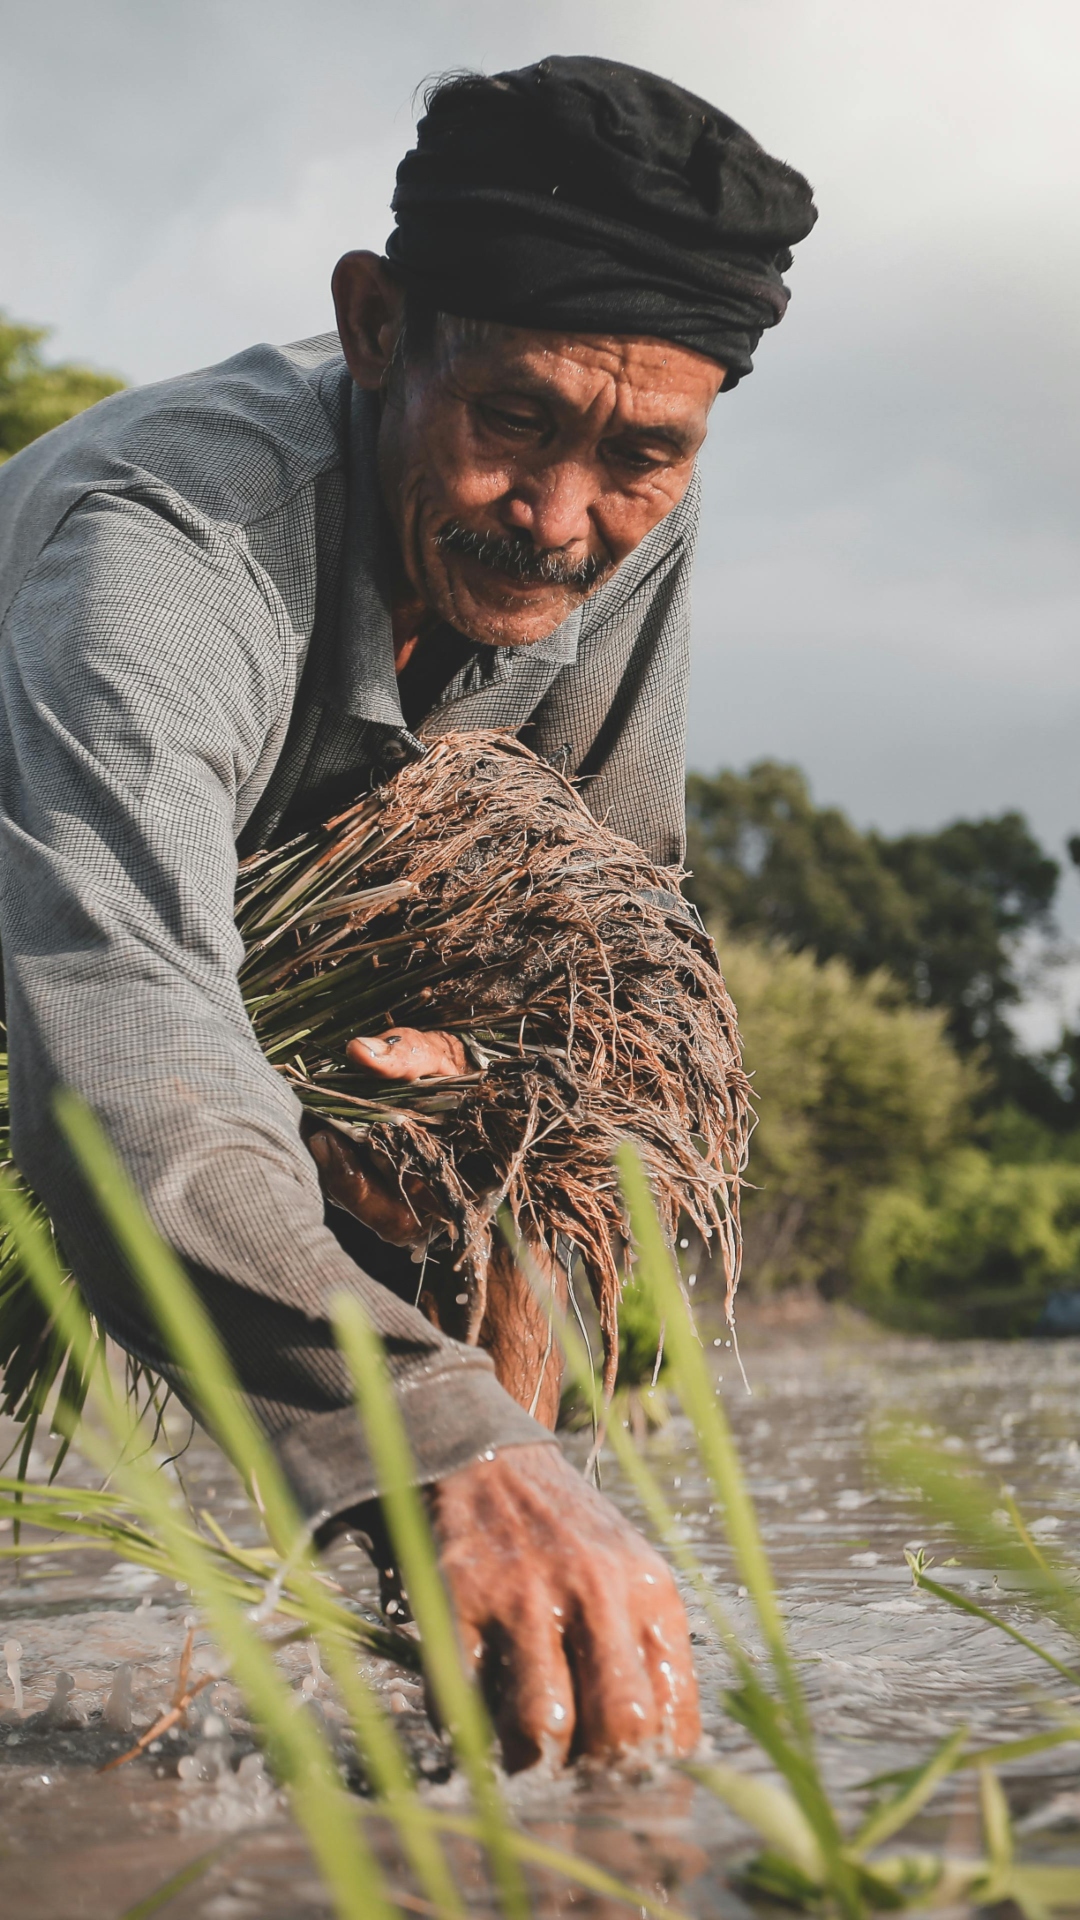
x: 405, y: 1053
x: 569, y: 1617
x: 363, y: 1181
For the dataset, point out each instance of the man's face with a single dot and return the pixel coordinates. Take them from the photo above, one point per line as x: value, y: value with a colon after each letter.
x: 520, y: 468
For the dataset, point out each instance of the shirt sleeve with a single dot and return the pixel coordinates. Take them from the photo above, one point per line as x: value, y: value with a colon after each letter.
x: 142, y: 668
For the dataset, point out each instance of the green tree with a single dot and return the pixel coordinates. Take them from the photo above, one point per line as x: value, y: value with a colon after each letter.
x: 944, y: 912
x: 856, y: 1090
x: 973, y: 1247
x: 34, y: 396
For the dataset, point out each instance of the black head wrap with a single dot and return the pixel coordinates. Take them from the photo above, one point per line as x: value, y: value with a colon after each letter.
x: 588, y: 197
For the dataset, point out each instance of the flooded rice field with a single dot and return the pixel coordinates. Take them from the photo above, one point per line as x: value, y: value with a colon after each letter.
x: 92, y: 1649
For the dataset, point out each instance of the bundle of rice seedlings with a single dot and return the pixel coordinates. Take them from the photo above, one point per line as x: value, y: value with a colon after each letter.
x: 477, y: 894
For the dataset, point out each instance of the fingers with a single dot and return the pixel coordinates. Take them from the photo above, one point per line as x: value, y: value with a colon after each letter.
x: 617, y: 1708
x: 405, y: 1054
x: 664, y: 1636
x: 574, y: 1622
x: 527, y: 1684
x: 350, y: 1181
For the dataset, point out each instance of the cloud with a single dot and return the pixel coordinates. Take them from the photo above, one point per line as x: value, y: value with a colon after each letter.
x: 888, y: 589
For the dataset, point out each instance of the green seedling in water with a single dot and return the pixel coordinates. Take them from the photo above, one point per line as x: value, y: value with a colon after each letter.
x: 808, y: 1860
x: 807, y: 1857
x: 141, y: 1519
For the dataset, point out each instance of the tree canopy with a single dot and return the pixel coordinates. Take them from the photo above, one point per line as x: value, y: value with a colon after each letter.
x: 857, y: 1091
x: 35, y: 396
x: 943, y: 912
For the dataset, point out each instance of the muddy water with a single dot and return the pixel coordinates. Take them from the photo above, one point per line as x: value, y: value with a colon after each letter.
x: 889, y: 1672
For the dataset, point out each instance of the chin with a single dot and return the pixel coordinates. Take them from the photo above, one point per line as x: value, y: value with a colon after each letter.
x: 510, y: 621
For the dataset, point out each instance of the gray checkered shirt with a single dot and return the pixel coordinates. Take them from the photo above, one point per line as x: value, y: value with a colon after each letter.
x: 195, y: 656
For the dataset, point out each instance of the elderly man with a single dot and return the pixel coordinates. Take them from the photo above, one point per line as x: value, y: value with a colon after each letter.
x: 233, y: 601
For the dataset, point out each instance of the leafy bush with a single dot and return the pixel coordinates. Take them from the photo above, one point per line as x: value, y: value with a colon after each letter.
x: 857, y: 1090
x: 35, y: 397
x: 945, y: 912
x: 972, y: 1248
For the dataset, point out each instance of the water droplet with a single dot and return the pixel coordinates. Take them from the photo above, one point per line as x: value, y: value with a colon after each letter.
x: 117, y: 1711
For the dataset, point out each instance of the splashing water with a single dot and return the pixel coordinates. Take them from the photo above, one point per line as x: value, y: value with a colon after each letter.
x: 13, y: 1658
x: 117, y: 1709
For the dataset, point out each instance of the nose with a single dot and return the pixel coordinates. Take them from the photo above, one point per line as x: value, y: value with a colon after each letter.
x: 553, y: 506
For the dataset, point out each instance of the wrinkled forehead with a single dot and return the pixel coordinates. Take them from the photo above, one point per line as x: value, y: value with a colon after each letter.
x: 575, y: 369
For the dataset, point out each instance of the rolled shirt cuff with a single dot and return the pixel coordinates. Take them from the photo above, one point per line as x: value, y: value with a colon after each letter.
x: 454, y: 1410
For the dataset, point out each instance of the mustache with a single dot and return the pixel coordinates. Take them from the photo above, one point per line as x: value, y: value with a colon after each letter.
x: 516, y: 557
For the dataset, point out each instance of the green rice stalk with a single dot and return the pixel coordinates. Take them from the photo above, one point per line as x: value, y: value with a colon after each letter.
x: 716, y: 1446
x: 807, y: 1859
x: 102, y: 1516
x: 568, y: 1866
x: 969, y: 1504
x: 190, y: 1336
x: 248, y: 1571
x: 300, y: 1753
x: 960, y: 1601
x: 895, y: 1813
x: 806, y: 1816
x: 458, y: 1699
x: 176, y: 1883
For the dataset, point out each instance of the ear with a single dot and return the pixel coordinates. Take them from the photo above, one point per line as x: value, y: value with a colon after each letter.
x: 370, y: 307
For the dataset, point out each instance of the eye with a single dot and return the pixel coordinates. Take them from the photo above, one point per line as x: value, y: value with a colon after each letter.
x: 637, y: 458
x: 509, y: 419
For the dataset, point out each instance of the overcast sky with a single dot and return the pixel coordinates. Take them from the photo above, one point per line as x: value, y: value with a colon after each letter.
x: 889, y: 585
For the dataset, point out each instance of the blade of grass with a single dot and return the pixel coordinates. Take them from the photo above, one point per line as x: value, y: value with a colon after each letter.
x: 751, y: 1704
x: 772, y: 1814
x: 297, y: 1746
x: 191, y: 1337
x: 997, y: 1827
x: 969, y: 1505
x: 1005, y: 1751
x: 963, y: 1605
x: 715, y: 1443
x: 458, y: 1699
x: 895, y: 1814
x: 188, y: 1331
x: 719, y: 1456
x: 194, y: 1870
x: 568, y: 1866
